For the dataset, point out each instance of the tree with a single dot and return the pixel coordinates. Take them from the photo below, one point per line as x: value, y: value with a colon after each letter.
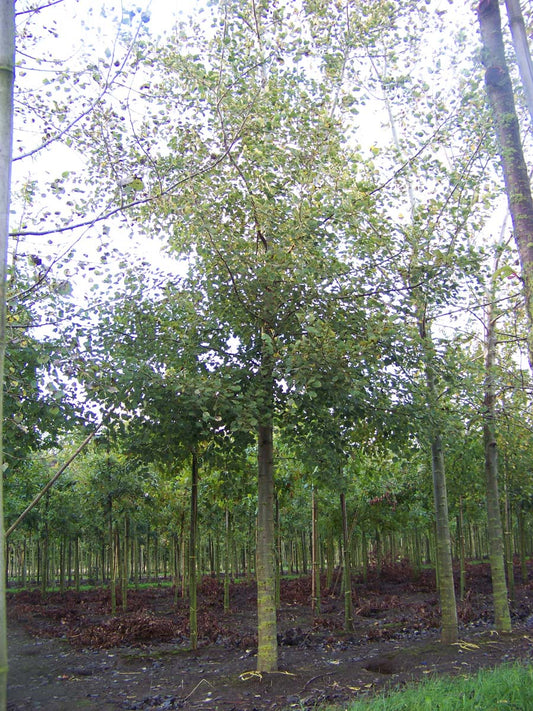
x: 7, y: 74
x: 496, y: 543
x: 277, y: 238
x: 517, y: 184
x: 521, y: 45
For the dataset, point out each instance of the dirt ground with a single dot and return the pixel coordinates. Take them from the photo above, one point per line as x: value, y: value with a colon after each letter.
x: 67, y: 652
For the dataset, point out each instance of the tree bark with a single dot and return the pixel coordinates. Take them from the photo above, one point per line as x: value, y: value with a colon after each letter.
x: 502, y: 617
x: 443, y: 546
x: 315, y: 581
x: 227, y: 559
x: 125, y: 567
x: 521, y: 47
x: 449, y: 633
x: 265, y: 569
x: 112, y: 559
x: 193, y: 588
x: 461, y: 545
x: 267, y: 643
x: 509, y: 549
x: 7, y: 76
x: 77, y: 584
x: 515, y: 173
x: 522, y: 545
x: 346, y: 567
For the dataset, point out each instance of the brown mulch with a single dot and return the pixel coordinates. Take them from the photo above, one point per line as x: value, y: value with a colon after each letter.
x: 68, y: 651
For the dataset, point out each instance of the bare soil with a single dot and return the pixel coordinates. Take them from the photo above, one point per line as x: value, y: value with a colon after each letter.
x: 68, y: 653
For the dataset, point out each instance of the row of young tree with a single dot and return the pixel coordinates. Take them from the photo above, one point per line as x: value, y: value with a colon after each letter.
x: 342, y: 300
x: 106, y: 513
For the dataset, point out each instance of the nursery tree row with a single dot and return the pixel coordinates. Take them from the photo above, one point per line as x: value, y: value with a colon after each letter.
x: 321, y: 375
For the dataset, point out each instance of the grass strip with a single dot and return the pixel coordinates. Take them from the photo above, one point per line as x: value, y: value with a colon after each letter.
x: 503, y: 688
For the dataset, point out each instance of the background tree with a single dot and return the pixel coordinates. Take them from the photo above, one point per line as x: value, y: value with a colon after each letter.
x: 517, y: 184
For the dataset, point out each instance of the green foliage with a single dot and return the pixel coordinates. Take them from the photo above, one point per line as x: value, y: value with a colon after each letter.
x: 39, y: 400
x: 311, y: 246
x: 506, y: 687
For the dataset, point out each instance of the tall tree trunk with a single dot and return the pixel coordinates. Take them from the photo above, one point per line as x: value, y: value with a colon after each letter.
x: 521, y: 46
x: 227, y: 559
x: 346, y: 567
x: 461, y: 545
x: 265, y: 569
x: 24, y: 563
x: 62, y: 571
x: 277, y: 528
x: 330, y: 559
x: 267, y: 649
x: 515, y: 173
x: 45, y: 557
x: 77, y: 585
x: 522, y: 544
x: 125, y: 567
x: 443, y: 546
x: 112, y: 558
x: 193, y: 588
x: 502, y: 617
x: 315, y: 580
x: 7, y: 75
x: 509, y: 549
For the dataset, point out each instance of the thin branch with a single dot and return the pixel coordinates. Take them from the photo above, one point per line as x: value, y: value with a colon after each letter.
x: 38, y: 9
x: 413, y: 158
x: 52, y: 481
x: 135, y: 203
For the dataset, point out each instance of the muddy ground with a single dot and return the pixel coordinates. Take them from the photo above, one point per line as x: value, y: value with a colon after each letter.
x: 67, y: 652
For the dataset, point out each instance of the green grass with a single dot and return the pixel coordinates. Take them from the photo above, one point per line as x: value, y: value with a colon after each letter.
x: 506, y: 687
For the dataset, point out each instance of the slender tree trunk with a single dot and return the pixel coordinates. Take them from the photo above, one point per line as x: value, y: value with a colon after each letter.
x: 522, y: 545
x: 138, y: 565
x: 521, y: 46
x: 502, y: 616
x: 179, y: 556
x: 347, y: 571
x: 443, y: 546
x: 227, y: 560
x: 330, y: 560
x: 193, y: 588
x: 509, y: 552
x: 125, y: 567
x: 147, y: 558
x: 157, y: 558
x: 515, y: 172
x: 77, y: 564
x: 62, y: 569
x: 24, y: 563
x: 45, y: 557
x: 461, y: 543
x: 277, y: 529
x: 315, y: 578
x: 364, y: 556
x: 184, y: 566
x: 497, y: 543
x: 7, y: 75
x: 379, y: 554
x: 112, y: 559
